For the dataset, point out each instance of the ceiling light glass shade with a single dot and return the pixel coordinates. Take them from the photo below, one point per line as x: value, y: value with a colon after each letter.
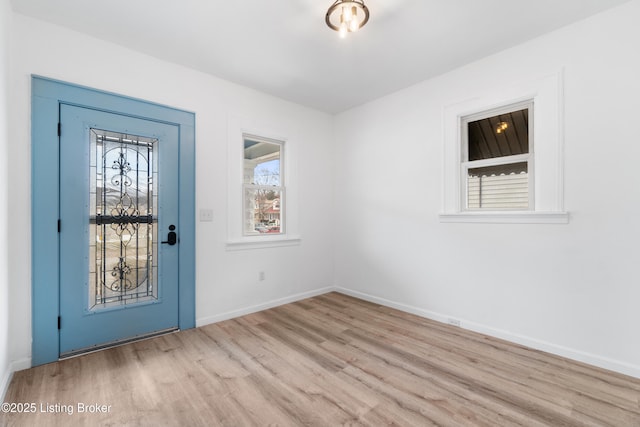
x: 347, y: 16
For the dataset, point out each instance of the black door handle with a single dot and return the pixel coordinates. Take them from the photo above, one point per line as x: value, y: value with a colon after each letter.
x: 172, y: 237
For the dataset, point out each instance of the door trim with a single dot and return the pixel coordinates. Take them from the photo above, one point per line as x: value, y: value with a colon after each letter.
x: 47, y: 96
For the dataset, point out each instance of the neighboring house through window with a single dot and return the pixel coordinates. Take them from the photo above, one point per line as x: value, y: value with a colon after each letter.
x: 263, y: 189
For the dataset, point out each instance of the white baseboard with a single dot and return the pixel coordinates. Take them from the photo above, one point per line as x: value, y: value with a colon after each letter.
x: 263, y: 306
x: 4, y: 385
x: 17, y: 365
x: 581, y: 356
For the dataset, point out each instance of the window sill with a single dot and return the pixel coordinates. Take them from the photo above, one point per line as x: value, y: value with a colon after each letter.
x: 507, y: 217
x: 261, y: 242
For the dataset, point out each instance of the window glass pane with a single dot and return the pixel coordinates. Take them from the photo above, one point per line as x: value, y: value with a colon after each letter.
x: 501, y: 135
x: 498, y: 187
x: 262, y: 163
x: 263, y: 189
x: 263, y: 207
x: 123, y: 233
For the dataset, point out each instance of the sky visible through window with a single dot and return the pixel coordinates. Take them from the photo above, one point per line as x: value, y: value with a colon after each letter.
x: 268, y: 173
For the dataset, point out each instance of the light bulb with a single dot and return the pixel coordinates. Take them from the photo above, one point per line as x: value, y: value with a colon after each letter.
x: 343, y: 30
x: 346, y: 14
x: 353, y: 25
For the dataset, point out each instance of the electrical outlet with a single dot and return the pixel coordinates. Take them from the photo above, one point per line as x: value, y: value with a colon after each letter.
x: 261, y: 276
x: 454, y: 322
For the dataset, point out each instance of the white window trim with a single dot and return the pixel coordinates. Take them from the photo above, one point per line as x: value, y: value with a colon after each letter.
x: 507, y: 217
x: 236, y: 239
x: 547, y: 184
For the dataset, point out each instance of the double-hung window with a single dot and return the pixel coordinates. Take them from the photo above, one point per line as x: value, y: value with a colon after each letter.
x: 263, y: 186
x: 489, y: 154
x: 497, y: 159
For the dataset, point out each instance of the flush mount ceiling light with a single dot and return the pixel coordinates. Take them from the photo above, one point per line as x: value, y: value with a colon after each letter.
x: 347, y: 16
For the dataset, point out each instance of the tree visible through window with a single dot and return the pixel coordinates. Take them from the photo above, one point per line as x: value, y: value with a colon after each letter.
x: 263, y: 186
x: 496, y: 161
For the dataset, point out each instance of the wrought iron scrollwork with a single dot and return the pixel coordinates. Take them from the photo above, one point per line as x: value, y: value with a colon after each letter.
x: 123, y: 218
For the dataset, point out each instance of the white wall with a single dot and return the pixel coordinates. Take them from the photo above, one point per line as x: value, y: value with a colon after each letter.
x: 226, y: 282
x: 5, y: 25
x: 570, y: 289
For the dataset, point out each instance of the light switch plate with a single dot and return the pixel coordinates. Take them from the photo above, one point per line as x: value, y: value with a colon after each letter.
x: 206, y: 215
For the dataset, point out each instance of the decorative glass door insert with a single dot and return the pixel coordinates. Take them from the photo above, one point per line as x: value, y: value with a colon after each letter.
x: 123, y: 235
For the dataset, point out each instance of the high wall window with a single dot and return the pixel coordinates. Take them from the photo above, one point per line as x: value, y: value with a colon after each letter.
x: 263, y: 186
x: 491, y: 142
x: 497, y: 159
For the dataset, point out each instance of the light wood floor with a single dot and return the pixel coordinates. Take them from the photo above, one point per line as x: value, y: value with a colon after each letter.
x: 329, y: 360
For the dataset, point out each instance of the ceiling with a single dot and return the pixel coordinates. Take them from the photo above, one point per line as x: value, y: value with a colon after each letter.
x: 284, y: 48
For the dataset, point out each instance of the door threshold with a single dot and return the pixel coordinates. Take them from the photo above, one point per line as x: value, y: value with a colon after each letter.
x: 117, y: 343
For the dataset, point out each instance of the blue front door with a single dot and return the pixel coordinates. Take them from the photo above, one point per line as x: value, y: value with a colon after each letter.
x: 119, y: 242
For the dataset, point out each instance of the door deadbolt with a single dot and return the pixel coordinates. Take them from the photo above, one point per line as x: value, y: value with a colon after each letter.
x: 172, y: 237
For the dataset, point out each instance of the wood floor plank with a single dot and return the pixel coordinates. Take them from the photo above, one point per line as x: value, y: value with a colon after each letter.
x: 326, y: 361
